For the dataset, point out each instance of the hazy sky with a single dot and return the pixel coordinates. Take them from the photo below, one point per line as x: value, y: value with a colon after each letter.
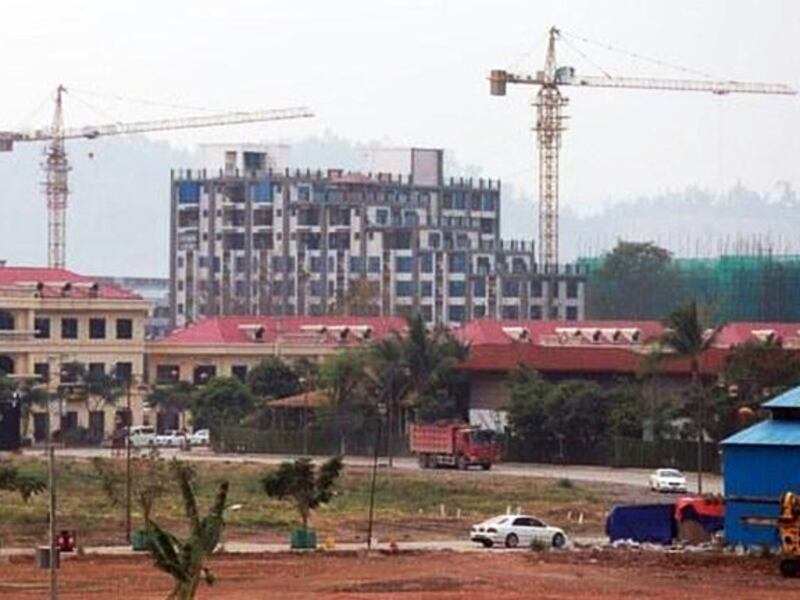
x: 413, y: 72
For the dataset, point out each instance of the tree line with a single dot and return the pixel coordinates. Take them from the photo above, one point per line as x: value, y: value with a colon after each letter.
x: 579, y: 414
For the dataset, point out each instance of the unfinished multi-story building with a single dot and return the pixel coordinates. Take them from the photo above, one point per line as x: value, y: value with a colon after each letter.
x: 255, y: 240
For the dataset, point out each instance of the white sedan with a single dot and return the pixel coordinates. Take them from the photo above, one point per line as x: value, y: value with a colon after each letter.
x: 171, y: 438
x: 514, y: 530
x: 668, y: 480
x: 201, y: 437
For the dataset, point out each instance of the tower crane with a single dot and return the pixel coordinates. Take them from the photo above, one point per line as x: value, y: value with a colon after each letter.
x: 56, y: 165
x: 550, y: 102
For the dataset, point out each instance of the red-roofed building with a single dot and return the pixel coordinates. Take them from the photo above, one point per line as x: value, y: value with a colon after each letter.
x: 233, y: 345
x: 50, y: 318
x: 600, y: 350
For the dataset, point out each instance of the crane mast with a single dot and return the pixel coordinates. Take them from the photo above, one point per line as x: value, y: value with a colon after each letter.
x: 549, y: 125
x: 56, y: 165
x: 550, y: 103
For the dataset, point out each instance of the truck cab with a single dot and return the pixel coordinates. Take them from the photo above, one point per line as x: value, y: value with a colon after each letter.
x: 480, y: 447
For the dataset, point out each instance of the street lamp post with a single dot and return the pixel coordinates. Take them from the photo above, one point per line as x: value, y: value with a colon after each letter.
x: 381, y: 413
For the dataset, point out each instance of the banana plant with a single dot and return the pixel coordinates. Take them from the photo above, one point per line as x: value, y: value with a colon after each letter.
x: 185, y: 559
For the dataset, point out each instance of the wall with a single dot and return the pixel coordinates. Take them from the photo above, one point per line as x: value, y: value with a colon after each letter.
x: 757, y: 471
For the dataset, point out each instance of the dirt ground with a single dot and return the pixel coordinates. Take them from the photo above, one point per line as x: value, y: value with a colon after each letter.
x: 420, y: 576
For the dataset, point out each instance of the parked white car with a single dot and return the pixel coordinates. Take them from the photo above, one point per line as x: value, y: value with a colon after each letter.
x: 201, y: 437
x: 668, y: 480
x: 171, y: 438
x: 517, y: 530
x: 142, y: 436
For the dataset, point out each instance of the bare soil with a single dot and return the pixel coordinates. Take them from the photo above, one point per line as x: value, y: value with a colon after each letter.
x: 595, y: 575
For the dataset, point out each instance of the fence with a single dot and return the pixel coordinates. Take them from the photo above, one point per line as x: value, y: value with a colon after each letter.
x: 614, y: 451
x: 318, y: 442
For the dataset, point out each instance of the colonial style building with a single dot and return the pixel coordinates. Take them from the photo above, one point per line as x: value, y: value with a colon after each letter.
x: 53, y: 319
x: 231, y: 346
x: 602, y: 351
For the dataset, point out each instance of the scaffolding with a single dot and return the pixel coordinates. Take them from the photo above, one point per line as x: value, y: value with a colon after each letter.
x: 757, y: 286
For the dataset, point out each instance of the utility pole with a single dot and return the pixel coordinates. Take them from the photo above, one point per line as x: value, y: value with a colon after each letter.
x: 381, y: 413
x: 304, y: 383
x: 700, y: 416
x: 51, y: 482
x: 129, y: 419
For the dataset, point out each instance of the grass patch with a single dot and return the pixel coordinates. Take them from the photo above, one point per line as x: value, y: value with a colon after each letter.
x: 408, y: 504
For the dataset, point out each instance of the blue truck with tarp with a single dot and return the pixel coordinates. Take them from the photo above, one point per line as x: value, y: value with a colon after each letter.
x: 662, y: 523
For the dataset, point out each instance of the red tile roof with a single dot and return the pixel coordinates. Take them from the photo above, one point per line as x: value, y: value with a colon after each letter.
x: 499, y: 345
x: 50, y: 283
x: 240, y: 329
x: 738, y: 333
x: 580, y: 359
x: 491, y: 331
x: 495, y: 345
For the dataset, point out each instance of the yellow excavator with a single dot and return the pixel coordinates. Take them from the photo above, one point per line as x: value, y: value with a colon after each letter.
x: 789, y: 532
x: 788, y: 528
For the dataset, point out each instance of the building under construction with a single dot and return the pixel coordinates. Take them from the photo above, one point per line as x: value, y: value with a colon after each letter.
x: 755, y: 287
x: 251, y: 239
x: 749, y: 287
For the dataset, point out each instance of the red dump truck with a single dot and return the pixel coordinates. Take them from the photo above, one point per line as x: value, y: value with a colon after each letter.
x: 453, y: 445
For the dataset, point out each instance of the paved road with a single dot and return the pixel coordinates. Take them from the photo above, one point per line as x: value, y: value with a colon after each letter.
x: 633, y: 477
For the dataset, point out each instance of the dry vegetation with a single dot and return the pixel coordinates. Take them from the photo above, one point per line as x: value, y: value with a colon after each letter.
x: 408, y: 505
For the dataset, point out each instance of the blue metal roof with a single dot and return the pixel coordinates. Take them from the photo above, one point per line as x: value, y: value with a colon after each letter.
x: 789, y: 399
x: 767, y: 433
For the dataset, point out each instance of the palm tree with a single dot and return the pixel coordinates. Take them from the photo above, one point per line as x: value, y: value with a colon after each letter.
x: 390, y: 375
x: 432, y: 359
x: 184, y: 560
x: 420, y: 355
x: 688, y: 339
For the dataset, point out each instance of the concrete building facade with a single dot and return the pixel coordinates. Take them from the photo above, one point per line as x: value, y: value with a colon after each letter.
x: 51, y: 319
x: 231, y: 346
x: 155, y: 290
x: 265, y: 242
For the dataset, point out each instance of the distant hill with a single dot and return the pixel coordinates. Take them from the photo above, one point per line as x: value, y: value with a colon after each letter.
x: 690, y: 223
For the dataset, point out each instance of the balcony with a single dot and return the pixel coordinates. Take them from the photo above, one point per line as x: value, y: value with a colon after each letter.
x: 17, y: 335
